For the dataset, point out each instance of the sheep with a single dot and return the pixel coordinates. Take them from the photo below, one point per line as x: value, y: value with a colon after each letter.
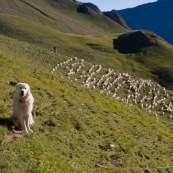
x: 146, y: 93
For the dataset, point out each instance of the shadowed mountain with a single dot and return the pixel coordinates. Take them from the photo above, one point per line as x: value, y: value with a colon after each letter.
x: 156, y: 16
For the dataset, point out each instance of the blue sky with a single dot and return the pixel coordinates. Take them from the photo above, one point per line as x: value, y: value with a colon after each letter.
x: 108, y: 5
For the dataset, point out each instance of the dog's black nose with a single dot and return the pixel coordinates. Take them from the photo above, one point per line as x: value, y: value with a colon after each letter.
x: 22, y: 93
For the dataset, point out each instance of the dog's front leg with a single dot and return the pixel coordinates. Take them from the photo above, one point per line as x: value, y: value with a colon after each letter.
x: 23, y: 123
x: 28, y: 124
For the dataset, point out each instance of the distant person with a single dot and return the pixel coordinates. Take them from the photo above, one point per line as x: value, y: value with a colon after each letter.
x: 55, y: 49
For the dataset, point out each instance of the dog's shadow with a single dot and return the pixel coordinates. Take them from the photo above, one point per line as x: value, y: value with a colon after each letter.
x: 6, y: 122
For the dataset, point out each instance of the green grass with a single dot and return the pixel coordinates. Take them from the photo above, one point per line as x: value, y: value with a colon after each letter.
x: 94, y: 49
x: 76, y: 129
x: 61, y: 15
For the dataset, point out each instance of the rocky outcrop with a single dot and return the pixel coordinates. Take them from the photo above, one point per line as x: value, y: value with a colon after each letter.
x: 117, y: 18
x: 93, y: 7
x: 133, y: 42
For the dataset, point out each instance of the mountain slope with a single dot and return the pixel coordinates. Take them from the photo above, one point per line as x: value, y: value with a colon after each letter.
x: 100, y: 135
x: 77, y: 129
x: 94, y: 49
x: 61, y: 15
x: 156, y: 16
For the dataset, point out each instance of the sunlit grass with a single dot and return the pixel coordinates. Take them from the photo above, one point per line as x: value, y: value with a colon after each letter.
x: 77, y: 129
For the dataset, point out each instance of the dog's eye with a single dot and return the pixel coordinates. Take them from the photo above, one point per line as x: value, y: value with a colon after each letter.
x: 20, y: 87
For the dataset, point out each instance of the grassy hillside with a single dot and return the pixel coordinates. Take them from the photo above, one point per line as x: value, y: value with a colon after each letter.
x: 32, y: 22
x: 154, y: 62
x: 76, y: 129
x: 61, y: 15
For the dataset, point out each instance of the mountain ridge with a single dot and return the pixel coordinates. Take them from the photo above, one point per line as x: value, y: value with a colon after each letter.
x: 155, y: 16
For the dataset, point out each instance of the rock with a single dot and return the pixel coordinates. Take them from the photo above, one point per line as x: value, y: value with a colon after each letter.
x: 12, y: 83
x: 99, y: 166
x: 132, y: 42
x: 74, y: 165
x: 112, y: 145
x: 117, y: 18
x: 88, y: 8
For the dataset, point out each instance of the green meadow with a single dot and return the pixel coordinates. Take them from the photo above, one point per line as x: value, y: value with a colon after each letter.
x: 77, y: 129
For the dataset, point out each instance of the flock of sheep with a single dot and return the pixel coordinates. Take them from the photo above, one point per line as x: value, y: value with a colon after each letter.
x: 128, y: 89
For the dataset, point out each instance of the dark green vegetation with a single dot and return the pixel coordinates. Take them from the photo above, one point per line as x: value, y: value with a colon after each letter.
x: 76, y: 129
x: 133, y: 42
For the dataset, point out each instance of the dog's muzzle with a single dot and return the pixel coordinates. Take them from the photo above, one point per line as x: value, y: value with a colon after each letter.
x: 22, y: 93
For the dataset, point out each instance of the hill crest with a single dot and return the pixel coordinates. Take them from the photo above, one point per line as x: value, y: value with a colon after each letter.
x: 134, y: 41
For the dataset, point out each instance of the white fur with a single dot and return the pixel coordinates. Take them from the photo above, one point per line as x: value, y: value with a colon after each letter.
x: 22, y: 107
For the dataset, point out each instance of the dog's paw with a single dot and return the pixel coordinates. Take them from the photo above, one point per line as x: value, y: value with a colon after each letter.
x: 31, y: 131
x: 26, y: 131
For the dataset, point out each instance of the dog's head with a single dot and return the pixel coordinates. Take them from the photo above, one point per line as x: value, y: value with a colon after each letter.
x: 22, y: 89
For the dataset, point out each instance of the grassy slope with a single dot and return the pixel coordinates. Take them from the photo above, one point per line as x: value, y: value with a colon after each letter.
x: 75, y: 126
x: 61, y: 15
x: 95, y: 49
x: 73, y: 138
x: 154, y: 63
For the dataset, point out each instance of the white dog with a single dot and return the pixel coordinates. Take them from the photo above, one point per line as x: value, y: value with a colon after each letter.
x: 22, y: 107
